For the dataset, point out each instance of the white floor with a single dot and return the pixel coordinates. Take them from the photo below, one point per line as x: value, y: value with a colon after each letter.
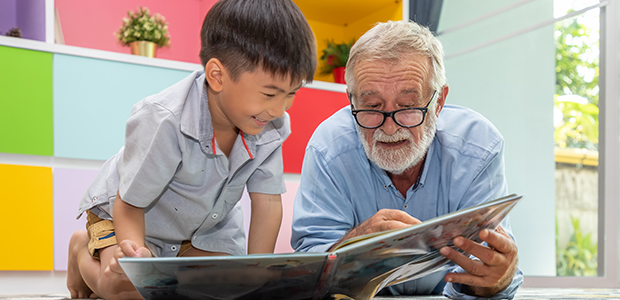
x: 14, y: 283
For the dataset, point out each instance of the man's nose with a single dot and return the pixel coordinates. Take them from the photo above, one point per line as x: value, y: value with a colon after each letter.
x: 389, y: 126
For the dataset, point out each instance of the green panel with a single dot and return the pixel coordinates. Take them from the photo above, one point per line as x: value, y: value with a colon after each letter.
x: 26, y: 125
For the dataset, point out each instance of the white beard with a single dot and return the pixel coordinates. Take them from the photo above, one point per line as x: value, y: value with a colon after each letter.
x: 397, y: 161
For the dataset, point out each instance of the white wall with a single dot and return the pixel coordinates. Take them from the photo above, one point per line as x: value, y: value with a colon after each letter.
x: 499, y: 67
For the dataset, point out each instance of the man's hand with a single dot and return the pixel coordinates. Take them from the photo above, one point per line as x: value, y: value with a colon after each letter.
x: 383, y: 220
x: 495, y: 269
x: 126, y: 248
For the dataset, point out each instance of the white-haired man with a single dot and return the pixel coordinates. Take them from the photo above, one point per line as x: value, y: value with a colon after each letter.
x: 398, y: 156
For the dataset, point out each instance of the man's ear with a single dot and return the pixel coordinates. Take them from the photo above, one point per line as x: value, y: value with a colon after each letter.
x: 441, y: 100
x: 214, y: 73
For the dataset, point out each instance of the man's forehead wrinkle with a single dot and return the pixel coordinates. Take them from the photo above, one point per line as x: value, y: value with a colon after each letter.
x: 366, y: 93
x: 410, y: 91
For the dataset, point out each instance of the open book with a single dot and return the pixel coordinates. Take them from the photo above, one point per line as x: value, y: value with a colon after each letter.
x: 357, y: 269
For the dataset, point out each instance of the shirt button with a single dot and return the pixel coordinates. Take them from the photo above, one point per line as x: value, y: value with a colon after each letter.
x: 214, y: 216
x: 405, y: 207
x: 193, y: 238
x: 173, y: 248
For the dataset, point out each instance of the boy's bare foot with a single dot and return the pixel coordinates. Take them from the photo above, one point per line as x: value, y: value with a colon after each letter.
x: 75, y: 283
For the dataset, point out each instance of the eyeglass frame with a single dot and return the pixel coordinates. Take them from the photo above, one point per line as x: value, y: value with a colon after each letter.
x: 387, y: 114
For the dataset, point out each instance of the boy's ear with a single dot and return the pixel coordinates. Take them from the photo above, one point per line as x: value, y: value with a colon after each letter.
x: 214, y: 73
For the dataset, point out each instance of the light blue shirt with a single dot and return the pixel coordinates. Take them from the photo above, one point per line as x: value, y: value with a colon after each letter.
x: 340, y: 188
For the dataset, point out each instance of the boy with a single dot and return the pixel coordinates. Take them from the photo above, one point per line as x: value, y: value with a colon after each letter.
x: 173, y: 189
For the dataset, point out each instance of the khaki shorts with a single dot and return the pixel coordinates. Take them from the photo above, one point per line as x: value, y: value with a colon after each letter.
x: 102, y: 235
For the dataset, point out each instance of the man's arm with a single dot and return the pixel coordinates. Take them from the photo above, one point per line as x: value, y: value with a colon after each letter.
x: 265, y: 222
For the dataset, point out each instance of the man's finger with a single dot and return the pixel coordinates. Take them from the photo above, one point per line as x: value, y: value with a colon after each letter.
x: 498, y: 241
x: 468, y: 279
x: 473, y: 267
x: 485, y: 254
x: 390, y: 225
x: 399, y: 215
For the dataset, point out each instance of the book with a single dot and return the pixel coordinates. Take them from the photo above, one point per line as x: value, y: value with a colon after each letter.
x: 357, y: 269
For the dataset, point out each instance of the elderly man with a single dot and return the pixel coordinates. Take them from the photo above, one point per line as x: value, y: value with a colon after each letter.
x: 398, y: 156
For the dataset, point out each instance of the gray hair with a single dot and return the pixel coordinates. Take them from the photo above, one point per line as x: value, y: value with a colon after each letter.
x: 391, y: 40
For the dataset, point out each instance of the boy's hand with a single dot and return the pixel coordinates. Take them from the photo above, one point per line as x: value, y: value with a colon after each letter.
x: 126, y: 248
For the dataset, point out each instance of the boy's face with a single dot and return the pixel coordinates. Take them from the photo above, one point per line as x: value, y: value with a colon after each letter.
x: 254, y: 100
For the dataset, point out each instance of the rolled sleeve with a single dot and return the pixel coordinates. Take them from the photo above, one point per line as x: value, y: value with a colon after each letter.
x: 454, y: 290
x: 151, y: 155
x: 268, y: 178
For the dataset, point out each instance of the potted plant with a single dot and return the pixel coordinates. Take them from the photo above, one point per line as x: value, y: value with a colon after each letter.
x: 335, y: 58
x: 143, y: 33
x: 14, y: 32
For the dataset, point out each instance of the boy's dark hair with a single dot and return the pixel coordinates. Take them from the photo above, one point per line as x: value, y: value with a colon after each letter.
x: 272, y: 34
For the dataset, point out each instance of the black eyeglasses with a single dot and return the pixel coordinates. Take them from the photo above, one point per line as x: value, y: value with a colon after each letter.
x: 406, y: 117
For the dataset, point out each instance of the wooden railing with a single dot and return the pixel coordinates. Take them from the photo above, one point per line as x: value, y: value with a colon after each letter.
x: 576, y: 156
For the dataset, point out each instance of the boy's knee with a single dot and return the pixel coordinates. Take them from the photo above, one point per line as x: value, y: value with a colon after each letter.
x: 79, y: 236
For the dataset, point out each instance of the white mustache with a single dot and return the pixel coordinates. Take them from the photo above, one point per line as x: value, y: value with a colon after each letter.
x: 400, y: 135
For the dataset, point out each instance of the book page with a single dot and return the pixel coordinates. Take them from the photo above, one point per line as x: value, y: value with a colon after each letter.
x: 410, y: 252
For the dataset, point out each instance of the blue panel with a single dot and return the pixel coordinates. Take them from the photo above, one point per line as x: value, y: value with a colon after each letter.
x: 93, y: 99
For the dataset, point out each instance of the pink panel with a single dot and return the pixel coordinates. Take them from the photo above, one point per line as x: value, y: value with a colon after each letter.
x: 283, y: 244
x: 91, y: 24
x: 69, y: 186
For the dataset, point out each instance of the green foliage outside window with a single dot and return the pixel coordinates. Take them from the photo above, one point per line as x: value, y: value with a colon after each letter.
x: 579, y: 257
x: 576, y: 88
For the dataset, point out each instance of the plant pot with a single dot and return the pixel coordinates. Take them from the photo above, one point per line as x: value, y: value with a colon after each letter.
x: 143, y: 48
x: 339, y: 75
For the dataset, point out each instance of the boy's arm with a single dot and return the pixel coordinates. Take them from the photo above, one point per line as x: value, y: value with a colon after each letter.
x: 264, y: 223
x: 128, y: 222
x: 129, y: 231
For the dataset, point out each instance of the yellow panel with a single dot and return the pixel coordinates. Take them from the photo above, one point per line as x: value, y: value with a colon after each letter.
x: 340, y: 12
x: 342, y: 20
x: 26, y: 213
x: 357, y: 28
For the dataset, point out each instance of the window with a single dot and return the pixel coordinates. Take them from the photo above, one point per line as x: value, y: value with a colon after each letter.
x: 545, y: 73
